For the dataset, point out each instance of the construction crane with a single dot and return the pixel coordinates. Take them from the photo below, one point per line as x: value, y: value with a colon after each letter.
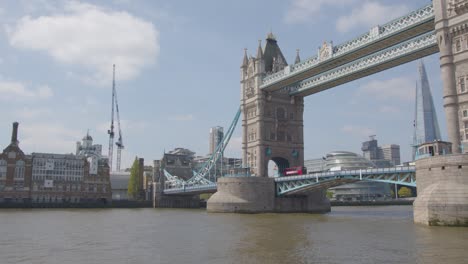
x: 119, y: 142
x: 111, y: 130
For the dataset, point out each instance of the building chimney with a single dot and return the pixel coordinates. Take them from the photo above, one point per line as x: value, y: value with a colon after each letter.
x: 14, y: 134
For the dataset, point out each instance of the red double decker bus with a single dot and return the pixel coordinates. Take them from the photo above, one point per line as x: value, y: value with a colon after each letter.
x: 295, y: 171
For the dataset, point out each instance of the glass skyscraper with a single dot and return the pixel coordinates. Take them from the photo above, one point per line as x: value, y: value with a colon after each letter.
x: 426, y: 126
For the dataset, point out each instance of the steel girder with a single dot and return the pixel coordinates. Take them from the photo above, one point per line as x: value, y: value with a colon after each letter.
x: 404, y: 52
x: 202, y: 179
x: 305, y: 183
x: 401, y: 29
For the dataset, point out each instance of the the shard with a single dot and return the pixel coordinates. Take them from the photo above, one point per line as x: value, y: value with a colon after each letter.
x: 426, y: 126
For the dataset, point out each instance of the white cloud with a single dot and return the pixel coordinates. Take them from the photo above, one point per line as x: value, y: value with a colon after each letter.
x: 400, y: 88
x: 370, y: 14
x: 304, y: 10
x: 11, y: 90
x: 90, y: 36
x: 358, y: 130
x: 52, y: 138
x: 188, y: 117
x: 30, y: 113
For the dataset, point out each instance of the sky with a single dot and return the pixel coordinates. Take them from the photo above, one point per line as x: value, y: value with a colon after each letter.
x: 178, y: 72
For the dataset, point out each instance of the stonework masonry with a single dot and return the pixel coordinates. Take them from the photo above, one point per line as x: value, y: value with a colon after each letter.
x: 442, y: 183
x: 257, y: 195
x: 451, y: 26
x: 272, y: 123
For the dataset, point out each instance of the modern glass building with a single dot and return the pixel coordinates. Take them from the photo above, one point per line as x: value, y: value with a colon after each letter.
x: 360, y: 191
x: 426, y: 126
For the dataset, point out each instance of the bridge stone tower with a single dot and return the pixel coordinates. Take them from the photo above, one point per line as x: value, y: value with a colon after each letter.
x: 272, y: 126
x: 272, y: 123
x: 442, y: 181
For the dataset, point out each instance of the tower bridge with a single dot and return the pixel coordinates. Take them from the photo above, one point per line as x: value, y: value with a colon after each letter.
x: 272, y: 105
x: 378, y: 38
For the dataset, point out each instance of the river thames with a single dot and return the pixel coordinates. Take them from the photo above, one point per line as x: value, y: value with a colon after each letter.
x: 346, y: 235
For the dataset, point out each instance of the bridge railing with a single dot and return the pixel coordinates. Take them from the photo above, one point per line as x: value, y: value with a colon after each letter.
x: 420, y: 43
x: 379, y: 32
x: 348, y: 172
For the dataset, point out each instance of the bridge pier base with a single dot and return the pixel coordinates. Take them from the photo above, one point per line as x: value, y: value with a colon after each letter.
x: 442, y: 184
x: 173, y: 201
x: 257, y: 195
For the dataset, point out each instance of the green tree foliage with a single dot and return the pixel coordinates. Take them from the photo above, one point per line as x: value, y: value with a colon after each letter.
x: 133, y: 180
x: 205, y: 196
x: 329, y: 194
x: 404, y: 192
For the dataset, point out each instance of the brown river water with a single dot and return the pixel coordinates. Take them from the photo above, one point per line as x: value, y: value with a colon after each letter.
x: 383, y: 234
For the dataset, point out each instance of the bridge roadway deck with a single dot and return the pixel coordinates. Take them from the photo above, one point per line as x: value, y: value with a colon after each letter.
x: 305, y: 183
x: 402, y: 29
x: 402, y: 53
x: 293, y: 185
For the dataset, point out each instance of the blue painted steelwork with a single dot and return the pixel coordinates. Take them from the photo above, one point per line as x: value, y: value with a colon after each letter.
x: 400, y: 30
x: 304, y: 183
x: 203, y: 176
x: 189, y: 190
x: 172, y: 180
x: 410, y: 50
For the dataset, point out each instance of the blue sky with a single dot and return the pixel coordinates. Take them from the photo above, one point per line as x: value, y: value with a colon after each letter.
x: 177, y: 66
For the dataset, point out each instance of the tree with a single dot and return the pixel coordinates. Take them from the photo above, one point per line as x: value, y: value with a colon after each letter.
x: 133, y: 181
x: 405, y: 192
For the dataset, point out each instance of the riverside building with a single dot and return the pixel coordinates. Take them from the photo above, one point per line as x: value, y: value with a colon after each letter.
x: 52, y: 178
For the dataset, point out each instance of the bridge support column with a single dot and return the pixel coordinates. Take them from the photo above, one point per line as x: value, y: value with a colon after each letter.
x: 173, y: 201
x: 257, y: 195
x: 442, y: 184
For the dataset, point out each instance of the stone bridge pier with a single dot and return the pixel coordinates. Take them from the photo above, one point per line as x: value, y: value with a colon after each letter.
x: 442, y: 181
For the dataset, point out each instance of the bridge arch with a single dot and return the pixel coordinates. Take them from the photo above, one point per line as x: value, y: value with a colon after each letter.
x: 276, y: 166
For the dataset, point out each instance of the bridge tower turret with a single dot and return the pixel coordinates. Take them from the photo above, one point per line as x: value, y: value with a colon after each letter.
x: 272, y: 122
x: 442, y: 181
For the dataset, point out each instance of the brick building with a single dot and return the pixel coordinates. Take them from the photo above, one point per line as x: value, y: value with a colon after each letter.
x: 53, y: 178
x: 15, y: 172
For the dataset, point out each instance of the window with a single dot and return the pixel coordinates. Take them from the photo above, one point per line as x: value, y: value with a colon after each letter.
x: 19, y: 169
x: 272, y: 136
x: 281, y: 136
x: 3, y: 168
x: 466, y: 130
x: 458, y: 45
x: 462, y: 84
x: 280, y: 113
x: 465, y: 113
